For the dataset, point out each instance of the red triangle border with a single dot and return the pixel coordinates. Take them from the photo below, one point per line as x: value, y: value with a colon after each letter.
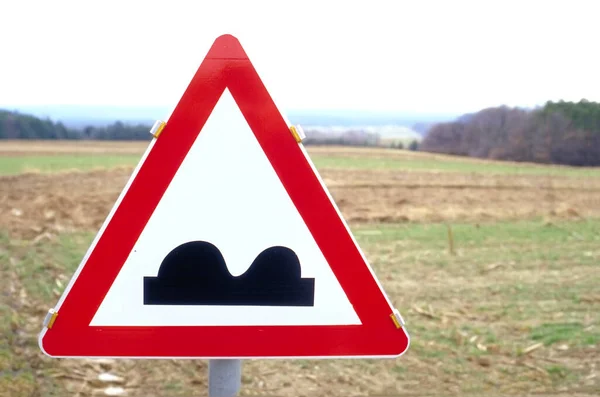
x: 225, y: 66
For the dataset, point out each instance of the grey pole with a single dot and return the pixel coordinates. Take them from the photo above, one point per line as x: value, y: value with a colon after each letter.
x: 224, y: 377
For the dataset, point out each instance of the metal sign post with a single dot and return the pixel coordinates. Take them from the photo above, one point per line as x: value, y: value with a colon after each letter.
x: 224, y: 378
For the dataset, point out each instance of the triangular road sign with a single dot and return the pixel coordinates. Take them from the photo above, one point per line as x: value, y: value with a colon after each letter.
x: 225, y: 243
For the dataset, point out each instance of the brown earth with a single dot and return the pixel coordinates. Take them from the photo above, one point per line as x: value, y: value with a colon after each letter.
x: 32, y: 204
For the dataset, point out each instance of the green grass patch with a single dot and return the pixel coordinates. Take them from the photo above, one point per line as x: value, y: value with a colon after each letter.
x: 557, y: 371
x: 18, y: 383
x: 572, y: 333
x: 510, y: 285
x: 431, y: 164
x: 11, y: 165
x: 45, y: 269
x: 173, y: 386
x: 494, y: 236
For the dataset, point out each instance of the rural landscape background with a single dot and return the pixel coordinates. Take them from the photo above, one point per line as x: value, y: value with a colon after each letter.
x: 493, y: 264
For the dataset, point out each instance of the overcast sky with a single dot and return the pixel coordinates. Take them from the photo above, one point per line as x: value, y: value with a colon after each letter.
x: 409, y: 56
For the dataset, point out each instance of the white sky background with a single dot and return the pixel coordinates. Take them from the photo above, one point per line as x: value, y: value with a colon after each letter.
x: 409, y: 56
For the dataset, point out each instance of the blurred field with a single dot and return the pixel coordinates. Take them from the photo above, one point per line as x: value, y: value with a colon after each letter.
x: 511, y: 307
x: 51, y: 156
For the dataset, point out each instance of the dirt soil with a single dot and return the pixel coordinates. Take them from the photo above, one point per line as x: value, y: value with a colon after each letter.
x: 33, y: 204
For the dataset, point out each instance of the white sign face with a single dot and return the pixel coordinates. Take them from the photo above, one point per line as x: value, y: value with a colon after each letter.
x: 224, y: 232
x: 225, y: 193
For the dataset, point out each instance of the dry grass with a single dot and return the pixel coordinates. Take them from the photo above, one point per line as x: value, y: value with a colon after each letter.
x: 22, y: 148
x: 513, y: 311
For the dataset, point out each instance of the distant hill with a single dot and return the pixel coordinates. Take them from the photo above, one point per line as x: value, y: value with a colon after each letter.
x: 329, y: 118
x: 74, y: 116
x: 17, y: 125
x: 79, y: 117
x: 423, y: 127
x: 386, y: 132
x: 133, y: 123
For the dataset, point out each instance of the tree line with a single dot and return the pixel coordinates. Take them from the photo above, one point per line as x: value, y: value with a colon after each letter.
x: 559, y: 132
x: 15, y: 125
x: 22, y: 126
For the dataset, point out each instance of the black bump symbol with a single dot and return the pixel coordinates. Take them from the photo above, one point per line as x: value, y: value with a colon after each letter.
x: 195, y: 273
